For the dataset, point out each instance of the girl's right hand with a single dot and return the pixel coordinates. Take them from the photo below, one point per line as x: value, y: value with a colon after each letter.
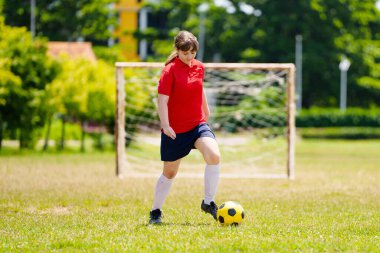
x: 169, y: 132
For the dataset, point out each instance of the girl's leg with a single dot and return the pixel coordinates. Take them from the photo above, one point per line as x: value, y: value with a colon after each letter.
x: 211, y: 154
x: 164, y: 183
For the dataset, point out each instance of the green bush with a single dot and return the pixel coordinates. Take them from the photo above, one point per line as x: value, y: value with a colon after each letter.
x: 25, y: 72
x: 231, y: 119
x: 235, y: 118
x: 354, y: 133
x: 333, y: 117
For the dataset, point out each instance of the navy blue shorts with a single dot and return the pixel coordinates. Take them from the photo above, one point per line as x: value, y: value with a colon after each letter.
x: 172, y: 150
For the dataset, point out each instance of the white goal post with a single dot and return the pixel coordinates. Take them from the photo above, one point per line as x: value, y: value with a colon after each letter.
x: 289, y: 105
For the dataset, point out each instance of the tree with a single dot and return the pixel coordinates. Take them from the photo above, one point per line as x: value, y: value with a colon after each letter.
x: 65, y: 20
x: 84, y: 91
x: 226, y: 38
x: 27, y: 71
x: 265, y: 32
x: 9, y: 84
x: 330, y: 30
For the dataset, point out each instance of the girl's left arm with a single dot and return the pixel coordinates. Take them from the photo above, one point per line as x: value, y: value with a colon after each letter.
x: 205, y: 108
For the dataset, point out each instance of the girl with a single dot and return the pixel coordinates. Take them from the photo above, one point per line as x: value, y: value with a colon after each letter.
x: 183, y: 112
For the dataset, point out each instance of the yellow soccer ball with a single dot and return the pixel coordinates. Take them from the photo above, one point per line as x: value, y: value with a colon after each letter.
x: 230, y: 213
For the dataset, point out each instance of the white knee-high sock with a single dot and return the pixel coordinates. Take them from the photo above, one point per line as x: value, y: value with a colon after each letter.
x: 161, y: 192
x: 211, y: 182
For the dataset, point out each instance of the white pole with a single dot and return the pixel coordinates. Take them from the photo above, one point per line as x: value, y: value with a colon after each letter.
x: 201, y: 36
x: 202, y: 9
x: 143, y: 19
x: 111, y: 40
x: 344, y: 65
x: 343, y: 90
x: 32, y: 17
x: 299, y: 71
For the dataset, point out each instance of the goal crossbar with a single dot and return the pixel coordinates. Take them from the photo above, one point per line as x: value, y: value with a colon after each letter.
x: 269, y: 66
x: 120, y: 133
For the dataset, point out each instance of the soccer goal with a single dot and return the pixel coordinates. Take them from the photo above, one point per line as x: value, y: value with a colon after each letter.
x: 252, y: 114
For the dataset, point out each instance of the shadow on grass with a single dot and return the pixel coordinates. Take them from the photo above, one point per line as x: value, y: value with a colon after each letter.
x: 184, y: 224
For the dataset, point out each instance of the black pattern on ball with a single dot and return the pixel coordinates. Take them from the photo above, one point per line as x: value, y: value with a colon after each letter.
x: 231, y: 212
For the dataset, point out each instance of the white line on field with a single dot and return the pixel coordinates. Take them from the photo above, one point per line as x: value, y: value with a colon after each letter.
x: 201, y: 175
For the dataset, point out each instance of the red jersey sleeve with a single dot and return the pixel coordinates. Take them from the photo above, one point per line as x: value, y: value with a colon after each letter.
x: 166, y: 82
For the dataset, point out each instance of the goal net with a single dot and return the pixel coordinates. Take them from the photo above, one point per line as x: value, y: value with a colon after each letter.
x: 252, y: 115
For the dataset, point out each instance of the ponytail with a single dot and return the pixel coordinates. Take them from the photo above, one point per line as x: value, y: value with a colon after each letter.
x: 171, y: 57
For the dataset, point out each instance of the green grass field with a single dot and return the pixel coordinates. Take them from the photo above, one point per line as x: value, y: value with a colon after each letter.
x: 73, y: 202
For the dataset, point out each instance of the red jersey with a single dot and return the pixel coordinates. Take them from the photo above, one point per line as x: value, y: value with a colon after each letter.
x: 184, y: 86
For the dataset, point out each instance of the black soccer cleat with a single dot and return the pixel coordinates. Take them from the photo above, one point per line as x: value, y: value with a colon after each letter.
x: 211, y: 209
x: 155, y: 216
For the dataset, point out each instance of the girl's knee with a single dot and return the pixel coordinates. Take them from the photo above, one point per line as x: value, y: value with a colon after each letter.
x: 213, y: 159
x: 170, y: 169
x: 170, y: 174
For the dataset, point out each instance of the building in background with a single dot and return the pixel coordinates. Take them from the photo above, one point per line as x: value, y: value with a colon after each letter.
x: 128, y: 11
x: 133, y: 17
x: 72, y: 49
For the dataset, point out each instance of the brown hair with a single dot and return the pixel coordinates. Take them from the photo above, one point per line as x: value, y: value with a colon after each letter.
x: 184, y: 41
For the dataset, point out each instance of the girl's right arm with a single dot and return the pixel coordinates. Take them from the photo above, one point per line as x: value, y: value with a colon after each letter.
x: 164, y: 115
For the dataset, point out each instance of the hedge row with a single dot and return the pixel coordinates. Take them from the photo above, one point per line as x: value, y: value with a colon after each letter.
x: 235, y: 120
x: 332, y: 117
x: 339, y: 133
